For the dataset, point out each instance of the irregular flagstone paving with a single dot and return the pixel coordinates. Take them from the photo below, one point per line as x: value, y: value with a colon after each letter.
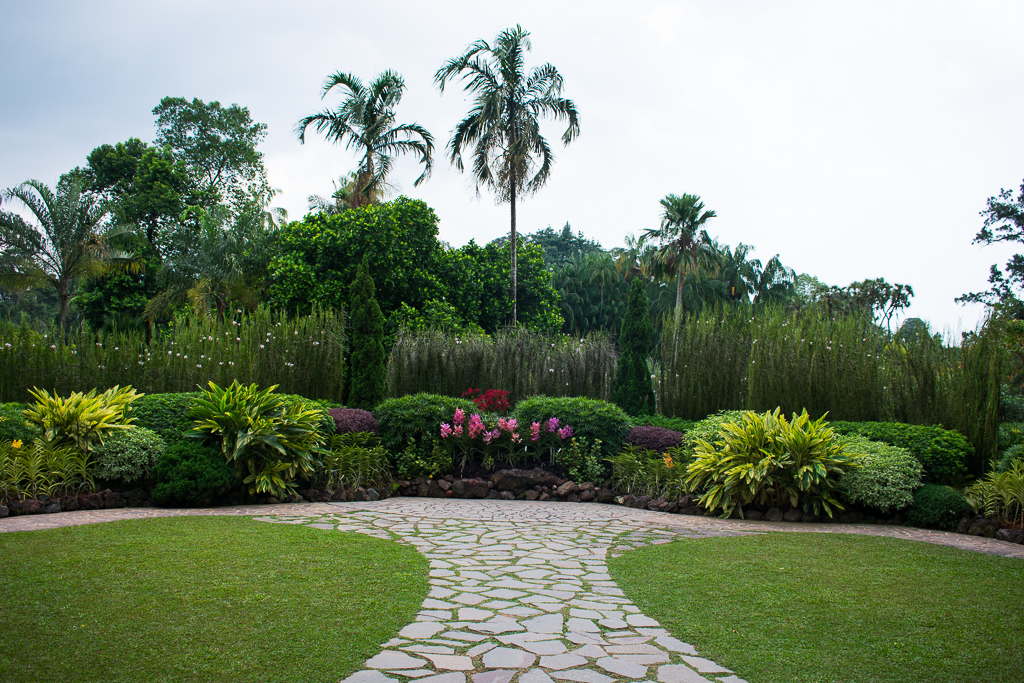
x: 522, y: 593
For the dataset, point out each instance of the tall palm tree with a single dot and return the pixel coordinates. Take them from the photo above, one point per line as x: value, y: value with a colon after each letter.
x: 365, y: 120
x: 509, y: 155
x: 65, y: 246
x: 684, y: 244
x: 344, y: 196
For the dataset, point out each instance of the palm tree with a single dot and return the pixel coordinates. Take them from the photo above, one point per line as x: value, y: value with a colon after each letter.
x: 66, y: 245
x: 684, y: 244
x: 344, y: 196
x: 205, y: 267
x: 365, y: 120
x: 509, y: 155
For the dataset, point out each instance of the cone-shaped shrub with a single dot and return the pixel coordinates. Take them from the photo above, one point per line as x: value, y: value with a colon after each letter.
x: 632, y: 390
x: 367, y: 363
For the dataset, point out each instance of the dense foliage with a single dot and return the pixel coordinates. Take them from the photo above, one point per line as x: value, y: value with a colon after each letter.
x: 42, y: 467
x: 353, y: 420
x: 128, y: 456
x: 642, y: 472
x: 191, y: 474
x: 938, y: 507
x: 165, y: 414
x: 942, y: 452
x: 81, y: 420
x: 13, y: 425
x: 886, y: 479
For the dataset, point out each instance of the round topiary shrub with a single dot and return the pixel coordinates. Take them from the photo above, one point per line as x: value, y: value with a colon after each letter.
x: 411, y: 424
x: 191, y: 474
x: 353, y: 420
x: 128, y: 455
x: 656, y: 439
x: 938, y: 507
x: 886, y: 478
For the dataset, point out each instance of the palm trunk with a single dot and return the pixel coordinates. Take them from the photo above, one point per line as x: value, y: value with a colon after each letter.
x: 514, y: 249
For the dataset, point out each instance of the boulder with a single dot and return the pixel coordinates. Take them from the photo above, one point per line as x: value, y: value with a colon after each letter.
x: 567, y: 488
x: 69, y: 503
x: 605, y: 496
x: 964, y: 526
x: 518, y: 481
x: 572, y: 498
x: 544, y: 496
x: 753, y: 515
x: 112, y: 499
x: 695, y: 510
x: 530, y: 495
x: 587, y: 496
x: 51, y: 507
x: 340, y: 495
x: 4, y: 511
x: 1009, y: 535
x: 507, y: 495
x: 641, y: 502
x: 587, y: 486
x: 32, y: 506
x: 657, y: 505
x: 371, y: 494
x: 984, y: 527
x: 90, y: 501
x: 444, y: 484
x: 470, y: 488
x: 793, y: 515
x: 423, y: 490
x: 773, y: 515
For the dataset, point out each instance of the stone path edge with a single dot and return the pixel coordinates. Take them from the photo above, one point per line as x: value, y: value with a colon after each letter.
x: 681, y: 522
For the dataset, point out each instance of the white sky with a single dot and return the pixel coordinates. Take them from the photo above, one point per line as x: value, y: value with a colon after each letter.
x: 855, y: 139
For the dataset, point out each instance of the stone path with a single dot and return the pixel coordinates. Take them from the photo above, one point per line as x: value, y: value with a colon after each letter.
x: 521, y: 593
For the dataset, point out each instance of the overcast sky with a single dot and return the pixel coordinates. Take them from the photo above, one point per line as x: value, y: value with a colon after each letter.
x: 855, y: 139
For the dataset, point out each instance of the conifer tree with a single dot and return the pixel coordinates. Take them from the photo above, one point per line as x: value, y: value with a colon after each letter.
x: 632, y: 390
x: 367, y: 364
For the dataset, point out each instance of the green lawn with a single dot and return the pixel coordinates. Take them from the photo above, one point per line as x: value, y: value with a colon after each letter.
x: 200, y: 599
x: 791, y: 608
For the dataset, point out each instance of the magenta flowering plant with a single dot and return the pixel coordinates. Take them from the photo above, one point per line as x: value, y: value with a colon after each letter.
x: 486, y: 440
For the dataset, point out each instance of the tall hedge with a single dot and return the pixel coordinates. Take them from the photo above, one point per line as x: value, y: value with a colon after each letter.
x: 633, y: 391
x: 367, y: 363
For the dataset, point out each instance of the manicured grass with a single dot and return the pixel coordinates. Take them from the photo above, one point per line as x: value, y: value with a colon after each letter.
x: 200, y: 599
x: 789, y: 608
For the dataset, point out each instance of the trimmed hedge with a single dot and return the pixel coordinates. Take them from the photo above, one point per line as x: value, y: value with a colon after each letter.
x: 656, y: 439
x: 191, y: 474
x: 942, y: 452
x: 938, y: 507
x: 589, y: 418
x: 674, y: 423
x: 128, y: 455
x: 418, y: 419
x: 886, y: 479
x: 165, y: 414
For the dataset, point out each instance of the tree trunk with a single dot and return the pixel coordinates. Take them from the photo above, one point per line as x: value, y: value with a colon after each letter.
x: 679, y: 291
x: 64, y: 296
x: 514, y: 249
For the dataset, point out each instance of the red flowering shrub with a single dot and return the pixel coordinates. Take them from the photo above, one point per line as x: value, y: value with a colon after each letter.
x: 657, y: 439
x: 492, y: 400
x: 353, y: 420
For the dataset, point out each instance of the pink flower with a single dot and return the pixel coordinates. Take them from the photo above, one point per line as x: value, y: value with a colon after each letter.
x: 491, y: 435
x: 459, y: 417
x: 565, y: 432
x: 515, y: 437
x: 446, y: 430
x: 553, y: 424
x: 457, y: 430
x: 535, y: 431
x: 476, y: 426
